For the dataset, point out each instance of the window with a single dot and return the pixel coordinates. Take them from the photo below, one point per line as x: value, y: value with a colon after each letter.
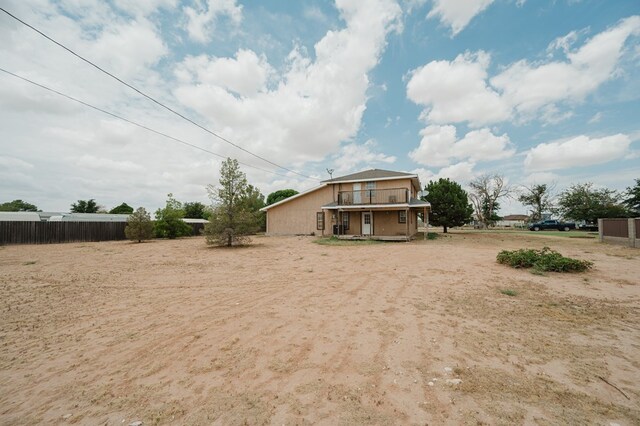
x: 345, y: 220
x: 320, y: 221
x: 370, y: 187
x: 402, y: 216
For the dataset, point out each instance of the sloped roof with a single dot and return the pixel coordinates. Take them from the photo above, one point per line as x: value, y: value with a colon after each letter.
x: 293, y: 197
x: 516, y: 217
x: 370, y: 175
x: 415, y: 202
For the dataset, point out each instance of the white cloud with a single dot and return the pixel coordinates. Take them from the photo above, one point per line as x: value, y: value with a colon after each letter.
x: 551, y: 114
x: 203, y: 17
x: 579, y: 151
x: 596, y: 118
x: 106, y: 164
x: 459, y: 172
x: 410, y: 5
x: 352, y: 155
x: 315, y: 13
x: 128, y: 49
x: 457, y: 91
x: 439, y: 145
x: 529, y: 87
x: 144, y: 7
x: 461, y: 90
x: 565, y: 42
x: 246, y: 74
x: 540, y: 178
x: 314, y: 105
x: 457, y: 13
x: 13, y: 163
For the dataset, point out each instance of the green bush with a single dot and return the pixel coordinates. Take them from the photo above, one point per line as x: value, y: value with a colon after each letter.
x: 542, y: 260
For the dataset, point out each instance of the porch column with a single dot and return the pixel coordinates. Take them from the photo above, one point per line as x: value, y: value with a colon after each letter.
x: 426, y: 218
x: 408, y: 223
x: 424, y: 222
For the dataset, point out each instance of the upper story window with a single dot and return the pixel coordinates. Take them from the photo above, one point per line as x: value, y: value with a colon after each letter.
x: 370, y: 187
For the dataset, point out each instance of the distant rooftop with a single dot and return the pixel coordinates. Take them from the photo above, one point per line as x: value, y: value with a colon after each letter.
x: 515, y: 217
x: 370, y: 175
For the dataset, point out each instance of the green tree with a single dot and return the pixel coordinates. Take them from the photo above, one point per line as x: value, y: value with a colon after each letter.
x: 632, y: 200
x: 486, y: 191
x: 449, y: 204
x: 123, y: 208
x: 169, y: 223
x: 491, y: 217
x: 231, y: 221
x: 254, y: 201
x: 280, y: 195
x: 196, y: 210
x: 538, y: 197
x: 139, y: 226
x: 17, y: 206
x: 85, y: 206
x: 584, y: 202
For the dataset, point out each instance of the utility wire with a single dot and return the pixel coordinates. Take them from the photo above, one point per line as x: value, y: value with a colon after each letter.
x: 151, y: 98
x: 131, y: 122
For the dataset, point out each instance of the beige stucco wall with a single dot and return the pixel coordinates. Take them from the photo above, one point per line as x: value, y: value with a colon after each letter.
x: 386, y: 223
x: 355, y: 223
x: 298, y: 216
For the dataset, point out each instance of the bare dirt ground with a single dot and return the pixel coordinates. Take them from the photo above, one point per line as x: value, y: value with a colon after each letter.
x: 291, y: 332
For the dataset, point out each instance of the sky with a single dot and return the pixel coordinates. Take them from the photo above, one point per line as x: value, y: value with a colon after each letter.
x: 538, y: 91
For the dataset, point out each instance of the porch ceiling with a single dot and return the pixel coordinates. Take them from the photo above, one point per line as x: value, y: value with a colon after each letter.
x: 366, y: 207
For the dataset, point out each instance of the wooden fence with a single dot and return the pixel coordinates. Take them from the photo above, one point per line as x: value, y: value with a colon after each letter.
x: 618, y: 228
x: 620, y: 231
x: 66, y: 232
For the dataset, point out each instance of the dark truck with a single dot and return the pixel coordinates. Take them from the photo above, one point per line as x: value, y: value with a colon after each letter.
x: 552, y: 224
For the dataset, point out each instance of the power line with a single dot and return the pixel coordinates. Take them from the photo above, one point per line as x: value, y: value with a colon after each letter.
x: 131, y: 122
x: 151, y: 98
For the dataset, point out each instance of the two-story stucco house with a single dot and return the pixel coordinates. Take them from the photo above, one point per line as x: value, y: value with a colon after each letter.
x: 375, y: 204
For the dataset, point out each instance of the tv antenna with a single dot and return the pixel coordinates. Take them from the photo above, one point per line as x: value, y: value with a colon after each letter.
x: 330, y: 171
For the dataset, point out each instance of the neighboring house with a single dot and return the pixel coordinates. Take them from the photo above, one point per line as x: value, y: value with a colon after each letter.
x: 19, y: 217
x: 513, y: 221
x: 374, y: 204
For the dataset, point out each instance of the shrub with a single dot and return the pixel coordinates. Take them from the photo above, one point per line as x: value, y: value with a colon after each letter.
x: 542, y: 260
x: 169, y: 223
x: 139, y: 226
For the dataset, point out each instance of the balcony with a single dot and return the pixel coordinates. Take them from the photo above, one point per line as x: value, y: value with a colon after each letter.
x: 373, y: 196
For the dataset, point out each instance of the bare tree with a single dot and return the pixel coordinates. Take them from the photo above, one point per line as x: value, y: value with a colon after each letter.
x: 538, y: 197
x: 486, y: 190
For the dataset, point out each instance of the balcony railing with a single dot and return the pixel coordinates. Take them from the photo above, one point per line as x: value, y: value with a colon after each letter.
x: 373, y: 196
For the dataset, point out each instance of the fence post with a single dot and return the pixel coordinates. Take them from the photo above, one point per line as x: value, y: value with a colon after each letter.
x: 600, y: 230
x: 632, y: 232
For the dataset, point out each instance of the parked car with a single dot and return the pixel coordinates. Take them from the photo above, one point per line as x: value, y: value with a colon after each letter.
x: 552, y: 224
x: 588, y: 227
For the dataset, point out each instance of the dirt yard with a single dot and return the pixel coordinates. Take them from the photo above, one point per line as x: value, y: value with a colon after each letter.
x: 291, y: 332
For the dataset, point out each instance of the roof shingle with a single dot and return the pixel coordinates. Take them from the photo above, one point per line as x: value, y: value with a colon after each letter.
x: 369, y: 175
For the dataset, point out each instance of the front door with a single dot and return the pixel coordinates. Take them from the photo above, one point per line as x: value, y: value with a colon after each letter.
x: 366, y: 223
x: 357, y: 195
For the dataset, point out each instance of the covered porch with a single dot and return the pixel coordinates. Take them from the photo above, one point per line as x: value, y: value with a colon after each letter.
x: 376, y: 237
x: 381, y: 222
